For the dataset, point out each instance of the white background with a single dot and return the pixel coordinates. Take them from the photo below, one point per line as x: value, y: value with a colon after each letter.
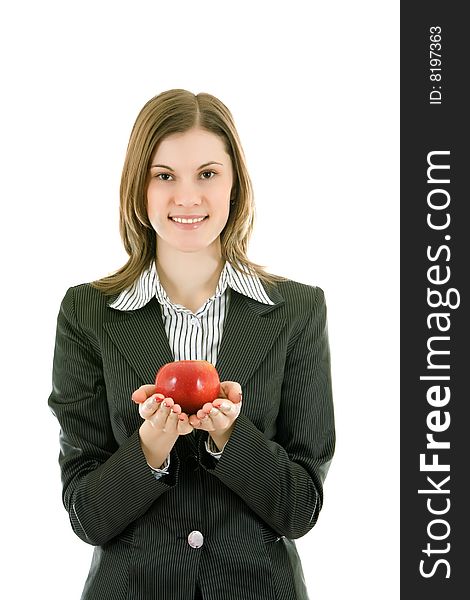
x: 313, y: 88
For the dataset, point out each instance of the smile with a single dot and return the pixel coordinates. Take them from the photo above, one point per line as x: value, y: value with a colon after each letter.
x: 181, y: 220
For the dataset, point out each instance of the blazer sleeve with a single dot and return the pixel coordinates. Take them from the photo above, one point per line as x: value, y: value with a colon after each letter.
x: 281, y: 480
x: 105, y: 486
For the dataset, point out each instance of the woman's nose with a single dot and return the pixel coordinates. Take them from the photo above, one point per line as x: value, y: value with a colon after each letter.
x: 188, y: 197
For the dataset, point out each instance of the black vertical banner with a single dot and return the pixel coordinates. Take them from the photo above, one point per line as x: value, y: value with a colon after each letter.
x: 435, y: 269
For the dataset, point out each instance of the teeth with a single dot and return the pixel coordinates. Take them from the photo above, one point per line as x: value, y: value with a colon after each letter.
x: 178, y: 220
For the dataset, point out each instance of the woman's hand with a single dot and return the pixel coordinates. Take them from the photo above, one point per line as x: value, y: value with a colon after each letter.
x: 218, y: 417
x: 163, y: 423
x: 162, y: 413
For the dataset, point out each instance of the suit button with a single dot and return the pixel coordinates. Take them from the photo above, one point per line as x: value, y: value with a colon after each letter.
x: 195, y: 539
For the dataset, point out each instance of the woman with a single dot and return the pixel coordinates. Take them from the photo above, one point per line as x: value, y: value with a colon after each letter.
x: 206, y: 505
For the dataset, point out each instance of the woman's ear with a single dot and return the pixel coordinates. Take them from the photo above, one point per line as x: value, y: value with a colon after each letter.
x: 233, y: 194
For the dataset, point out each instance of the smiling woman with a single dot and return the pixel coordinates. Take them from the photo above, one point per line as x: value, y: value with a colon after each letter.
x: 147, y: 484
x: 190, y: 199
x: 161, y: 131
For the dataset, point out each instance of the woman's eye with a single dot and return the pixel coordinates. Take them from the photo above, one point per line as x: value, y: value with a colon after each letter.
x: 167, y: 176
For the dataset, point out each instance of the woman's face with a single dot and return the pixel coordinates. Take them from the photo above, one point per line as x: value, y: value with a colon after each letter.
x: 188, y: 195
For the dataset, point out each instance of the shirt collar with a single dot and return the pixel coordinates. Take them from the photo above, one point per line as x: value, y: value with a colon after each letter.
x: 148, y: 286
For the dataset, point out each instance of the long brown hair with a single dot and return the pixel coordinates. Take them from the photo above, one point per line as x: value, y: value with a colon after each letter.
x: 177, y: 111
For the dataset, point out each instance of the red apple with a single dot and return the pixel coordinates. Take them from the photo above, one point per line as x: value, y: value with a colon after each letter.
x: 191, y: 383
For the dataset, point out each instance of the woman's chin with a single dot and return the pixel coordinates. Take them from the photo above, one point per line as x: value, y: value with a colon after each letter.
x: 187, y: 243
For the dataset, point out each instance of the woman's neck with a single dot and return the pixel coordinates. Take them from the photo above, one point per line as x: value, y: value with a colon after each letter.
x: 189, y: 278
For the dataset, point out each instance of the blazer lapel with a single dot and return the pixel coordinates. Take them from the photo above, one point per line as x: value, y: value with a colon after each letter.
x: 140, y: 336
x: 249, y: 332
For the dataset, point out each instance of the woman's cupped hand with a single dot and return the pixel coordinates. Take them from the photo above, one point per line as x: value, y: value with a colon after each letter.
x: 216, y: 417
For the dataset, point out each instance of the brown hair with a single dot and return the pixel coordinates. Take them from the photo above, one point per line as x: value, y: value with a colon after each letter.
x: 177, y: 111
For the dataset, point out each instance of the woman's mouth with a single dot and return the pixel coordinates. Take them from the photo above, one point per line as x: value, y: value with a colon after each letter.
x: 188, y: 222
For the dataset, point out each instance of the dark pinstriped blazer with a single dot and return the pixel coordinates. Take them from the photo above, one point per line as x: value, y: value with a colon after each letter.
x: 266, y: 489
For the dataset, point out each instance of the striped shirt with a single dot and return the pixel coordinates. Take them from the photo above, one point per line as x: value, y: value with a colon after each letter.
x: 192, y: 336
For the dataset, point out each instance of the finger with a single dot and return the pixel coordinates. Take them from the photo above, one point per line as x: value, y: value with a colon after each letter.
x: 206, y: 424
x: 217, y: 419
x: 194, y: 421
x: 184, y: 426
x: 172, y: 421
x: 203, y: 412
x: 149, y: 407
x: 159, y: 417
x: 177, y: 409
x: 145, y: 391
x: 232, y: 391
x: 223, y: 417
x: 225, y: 406
x: 158, y: 412
x: 168, y: 403
x: 164, y: 412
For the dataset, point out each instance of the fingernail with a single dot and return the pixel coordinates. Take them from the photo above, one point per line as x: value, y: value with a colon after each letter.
x: 149, y: 402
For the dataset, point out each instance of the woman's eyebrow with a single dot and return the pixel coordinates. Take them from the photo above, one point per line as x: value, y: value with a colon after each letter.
x: 212, y: 162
